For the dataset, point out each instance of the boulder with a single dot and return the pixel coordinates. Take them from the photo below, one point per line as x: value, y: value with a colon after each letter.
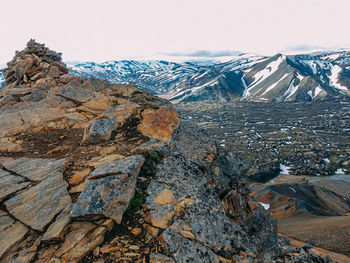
x: 100, y: 131
x: 77, y: 94
x: 37, y: 206
x: 129, y: 165
x: 159, y: 124
x: 121, y: 112
x: 66, y: 78
x: 105, y: 197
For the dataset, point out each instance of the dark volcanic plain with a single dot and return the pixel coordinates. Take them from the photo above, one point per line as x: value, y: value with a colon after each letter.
x: 311, y: 138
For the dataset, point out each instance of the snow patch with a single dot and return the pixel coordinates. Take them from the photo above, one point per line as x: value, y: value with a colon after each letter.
x: 292, y: 89
x: 334, y: 77
x: 285, y: 169
x: 310, y: 94
x: 326, y: 160
x: 291, y: 188
x: 339, y: 171
x: 265, y: 206
x: 317, y: 91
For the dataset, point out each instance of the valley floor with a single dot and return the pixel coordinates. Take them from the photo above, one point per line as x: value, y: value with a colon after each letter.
x: 300, y: 138
x: 329, y: 232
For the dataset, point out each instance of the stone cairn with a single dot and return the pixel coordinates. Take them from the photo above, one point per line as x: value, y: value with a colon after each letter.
x: 33, y: 63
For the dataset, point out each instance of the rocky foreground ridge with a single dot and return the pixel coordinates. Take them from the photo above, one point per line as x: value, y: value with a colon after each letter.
x: 99, y: 172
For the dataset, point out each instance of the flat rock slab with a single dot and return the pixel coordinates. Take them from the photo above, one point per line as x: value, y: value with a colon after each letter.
x: 57, y: 229
x: 10, y: 232
x: 77, y: 93
x: 37, y: 206
x: 99, y: 131
x: 121, y: 112
x: 35, y: 169
x: 108, y: 196
x: 10, y: 184
x: 129, y: 165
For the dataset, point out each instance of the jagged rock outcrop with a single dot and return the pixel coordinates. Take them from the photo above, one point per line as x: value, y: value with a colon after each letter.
x: 100, y: 172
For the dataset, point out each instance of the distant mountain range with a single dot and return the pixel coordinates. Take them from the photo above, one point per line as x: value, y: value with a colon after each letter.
x: 305, y: 77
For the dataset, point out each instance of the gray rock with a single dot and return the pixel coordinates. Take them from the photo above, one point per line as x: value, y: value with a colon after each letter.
x: 37, y: 206
x: 10, y: 184
x: 36, y: 169
x: 186, y: 250
x: 121, y: 112
x: 77, y: 93
x: 160, y: 258
x: 101, y: 130
x: 129, y: 165
x: 44, y: 83
x: 194, y: 144
x: 106, y: 197
x: 57, y: 229
x: 186, y: 199
x: 26, y: 254
x: 54, y: 72
x: 66, y: 78
x: 10, y: 232
x: 207, y: 213
x: 36, y: 95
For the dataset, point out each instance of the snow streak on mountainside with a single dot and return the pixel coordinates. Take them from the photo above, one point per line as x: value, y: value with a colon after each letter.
x: 2, y: 79
x: 304, y: 77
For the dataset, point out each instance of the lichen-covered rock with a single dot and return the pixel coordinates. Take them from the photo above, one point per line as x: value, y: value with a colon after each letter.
x: 37, y: 206
x: 159, y: 124
x: 76, y: 94
x: 121, y: 112
x: 106, y: 197
x: 10, y: 184
x: 10, y: 232
x: 129, y: 165
x: 57, y: 229
x: 101, y: 130
x: 203, y: 181
x: 36, y: 169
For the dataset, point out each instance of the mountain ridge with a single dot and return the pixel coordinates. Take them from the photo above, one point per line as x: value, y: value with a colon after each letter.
x: 301, y: 77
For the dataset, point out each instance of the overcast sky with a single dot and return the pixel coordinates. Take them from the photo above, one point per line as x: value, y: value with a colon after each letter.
x: 100, y: 30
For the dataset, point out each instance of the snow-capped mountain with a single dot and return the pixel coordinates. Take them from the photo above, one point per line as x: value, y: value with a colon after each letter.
x: 304, y: 77
x: 307, y: 77
x: 187, y: 81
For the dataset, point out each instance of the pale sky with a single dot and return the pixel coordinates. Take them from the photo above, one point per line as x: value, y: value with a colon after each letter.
x: 100, y: 30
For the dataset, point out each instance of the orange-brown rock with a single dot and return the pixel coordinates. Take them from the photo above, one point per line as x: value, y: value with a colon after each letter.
x: 79, y: 177
x: 159, y: 124
x: 165, y: 197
